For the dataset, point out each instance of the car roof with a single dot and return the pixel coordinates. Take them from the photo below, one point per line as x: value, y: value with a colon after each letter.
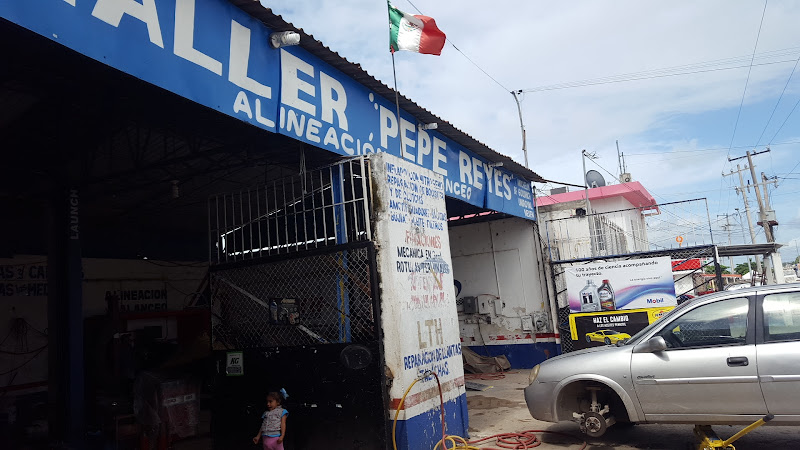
x: 746, y: 291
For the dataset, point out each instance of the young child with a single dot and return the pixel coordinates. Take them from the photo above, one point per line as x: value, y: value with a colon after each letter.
x: 273, y: 425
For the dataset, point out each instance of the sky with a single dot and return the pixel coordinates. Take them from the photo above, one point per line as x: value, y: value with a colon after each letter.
x: 682, y: 86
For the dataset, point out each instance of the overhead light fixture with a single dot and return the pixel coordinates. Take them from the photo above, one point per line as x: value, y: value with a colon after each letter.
x: 284, y: 39
x: 496, y: 164
x: 429, y: 126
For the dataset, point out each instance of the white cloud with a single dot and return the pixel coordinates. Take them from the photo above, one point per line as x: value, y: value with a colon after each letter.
x: 529, y: 44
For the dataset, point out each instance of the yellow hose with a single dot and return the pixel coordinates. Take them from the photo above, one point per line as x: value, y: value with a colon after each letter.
x: 397, y: 413
x: 451, y: 439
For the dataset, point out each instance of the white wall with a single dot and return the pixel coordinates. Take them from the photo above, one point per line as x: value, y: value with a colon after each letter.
x: 496, y: 262
x: 570, y: 236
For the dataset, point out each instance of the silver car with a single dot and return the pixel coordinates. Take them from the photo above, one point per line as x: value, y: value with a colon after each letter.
x: 724, y: 358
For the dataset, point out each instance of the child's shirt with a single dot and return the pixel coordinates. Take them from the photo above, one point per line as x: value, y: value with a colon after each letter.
x: 271, y: 422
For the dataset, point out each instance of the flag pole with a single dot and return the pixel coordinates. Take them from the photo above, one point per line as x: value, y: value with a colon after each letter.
x: 397, y: 103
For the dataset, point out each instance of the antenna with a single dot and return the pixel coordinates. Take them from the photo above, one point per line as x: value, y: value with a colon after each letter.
x: 595, y: 179
x: 621, y: 160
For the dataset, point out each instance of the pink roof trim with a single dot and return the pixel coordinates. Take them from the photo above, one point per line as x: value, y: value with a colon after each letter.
x: 633, y: 192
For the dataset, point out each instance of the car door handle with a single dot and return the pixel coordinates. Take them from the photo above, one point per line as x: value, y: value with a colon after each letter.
x: 738, y: 361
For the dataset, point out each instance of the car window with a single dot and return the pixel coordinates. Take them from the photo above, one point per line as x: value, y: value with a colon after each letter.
x: 719, y: 323
x: 782, y: 317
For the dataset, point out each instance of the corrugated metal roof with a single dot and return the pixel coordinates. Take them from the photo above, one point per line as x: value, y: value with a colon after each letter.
x: 354, y: 71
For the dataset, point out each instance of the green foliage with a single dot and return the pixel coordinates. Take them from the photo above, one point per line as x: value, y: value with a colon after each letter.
x: 743, y: 268
x: 710, y: 269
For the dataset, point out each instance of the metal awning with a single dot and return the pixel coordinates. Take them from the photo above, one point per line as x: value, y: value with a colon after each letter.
x: 748, y: 249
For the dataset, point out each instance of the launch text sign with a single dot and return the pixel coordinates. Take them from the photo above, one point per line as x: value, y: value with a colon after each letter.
x: 215, y: 54
x: 617, y: 285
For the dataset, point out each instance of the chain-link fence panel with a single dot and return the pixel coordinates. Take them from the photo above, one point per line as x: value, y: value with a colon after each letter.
x: 303, y: 300
x: 573, y: 234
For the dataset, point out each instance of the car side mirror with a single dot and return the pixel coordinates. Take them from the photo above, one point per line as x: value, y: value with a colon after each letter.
x: 652, y: 345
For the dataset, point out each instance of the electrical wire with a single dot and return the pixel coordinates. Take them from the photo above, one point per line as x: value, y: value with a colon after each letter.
x: 778, y: 102
x: 747, y: 81
x: 578, y: 84
x: 450, y: 41
x: 784, y: 122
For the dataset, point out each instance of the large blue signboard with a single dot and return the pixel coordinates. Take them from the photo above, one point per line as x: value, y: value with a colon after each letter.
x: 211, y: 52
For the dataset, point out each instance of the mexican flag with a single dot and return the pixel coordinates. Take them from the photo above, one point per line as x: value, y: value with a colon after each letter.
x: 414, y: 33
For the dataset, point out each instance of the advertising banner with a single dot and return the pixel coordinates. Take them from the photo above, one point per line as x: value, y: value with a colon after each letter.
x: 620, y: 285
x: 604, y: 328
x: 215, y: 54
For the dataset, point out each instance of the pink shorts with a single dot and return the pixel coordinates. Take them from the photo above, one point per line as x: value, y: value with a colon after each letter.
x: 271, y: 443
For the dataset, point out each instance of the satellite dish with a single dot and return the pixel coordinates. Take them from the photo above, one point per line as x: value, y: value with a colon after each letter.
x: 595, y: 179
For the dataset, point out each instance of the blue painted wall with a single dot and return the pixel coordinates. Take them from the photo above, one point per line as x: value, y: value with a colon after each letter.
x: 521, y: 356
x: 422, y: 432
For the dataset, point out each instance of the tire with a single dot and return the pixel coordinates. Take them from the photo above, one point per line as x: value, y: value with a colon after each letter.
x: 607, y: 341
x: 588, y: 339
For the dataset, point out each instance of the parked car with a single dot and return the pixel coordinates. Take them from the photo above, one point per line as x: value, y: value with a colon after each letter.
x: 606, y: 336
x: 724, y: 358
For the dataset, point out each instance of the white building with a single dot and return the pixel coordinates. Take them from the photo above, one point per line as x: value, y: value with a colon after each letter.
x: 615, y: 225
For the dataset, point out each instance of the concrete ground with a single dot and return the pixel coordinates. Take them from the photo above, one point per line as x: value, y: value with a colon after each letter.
x: 501, y: 409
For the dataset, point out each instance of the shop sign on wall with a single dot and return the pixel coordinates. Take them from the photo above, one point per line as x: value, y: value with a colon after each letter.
x: 138, y: 296
x: 23, y: 280
x: 215, y: 54
x: 621, y: 285
x: 420, y: 322
x: 610, y: 327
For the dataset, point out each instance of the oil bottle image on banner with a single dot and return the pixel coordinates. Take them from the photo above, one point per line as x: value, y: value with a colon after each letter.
x: 606, y: 295
x: 589, y: 296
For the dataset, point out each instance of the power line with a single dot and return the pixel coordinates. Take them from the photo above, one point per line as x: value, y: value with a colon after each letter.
x: 778, y: 102
x: 578, y: 84
x: 709, y: 66
x: 747, y: 81
x: 784, y: 121
x: 710, y: 149
x: 465, y: 55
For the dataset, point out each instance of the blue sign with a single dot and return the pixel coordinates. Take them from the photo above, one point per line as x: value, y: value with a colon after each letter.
x: 215, y: 54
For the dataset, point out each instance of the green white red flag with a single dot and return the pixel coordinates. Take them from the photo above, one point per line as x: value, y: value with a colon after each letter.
x: 414, y: 33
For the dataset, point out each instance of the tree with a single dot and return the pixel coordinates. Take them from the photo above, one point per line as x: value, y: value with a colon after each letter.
x: 710, y: 269
x: 743, y: 268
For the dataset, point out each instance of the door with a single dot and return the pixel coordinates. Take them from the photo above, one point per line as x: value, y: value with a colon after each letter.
x: 779, y: 353
x: 708, y: 368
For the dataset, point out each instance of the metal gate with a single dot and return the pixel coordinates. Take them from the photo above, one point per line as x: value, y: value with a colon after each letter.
x: 294, y: 292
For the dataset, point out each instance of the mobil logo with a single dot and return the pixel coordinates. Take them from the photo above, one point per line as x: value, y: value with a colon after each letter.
x: 655, y: 300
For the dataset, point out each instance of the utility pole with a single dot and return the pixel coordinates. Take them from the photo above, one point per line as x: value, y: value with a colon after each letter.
x: 768, y: 221
x: 741, y: 189
x: 773, y: 264
x: 728, y: 229
x: 589, y: 218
